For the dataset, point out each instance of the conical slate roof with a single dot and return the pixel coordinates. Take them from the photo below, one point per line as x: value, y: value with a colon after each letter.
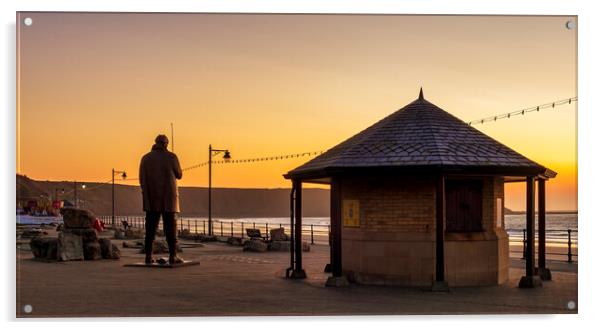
x: 421, y: 135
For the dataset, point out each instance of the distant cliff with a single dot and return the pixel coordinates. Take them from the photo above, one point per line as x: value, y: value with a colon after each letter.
x: 227, y: 202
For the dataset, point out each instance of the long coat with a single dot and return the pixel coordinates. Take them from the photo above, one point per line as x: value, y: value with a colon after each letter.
x: 159, y: 170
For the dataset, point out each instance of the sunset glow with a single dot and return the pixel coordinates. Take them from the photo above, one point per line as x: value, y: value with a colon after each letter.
x: 95, y: 89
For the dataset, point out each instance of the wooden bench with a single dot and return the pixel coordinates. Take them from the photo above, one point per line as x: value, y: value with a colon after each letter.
x: 256, y: 234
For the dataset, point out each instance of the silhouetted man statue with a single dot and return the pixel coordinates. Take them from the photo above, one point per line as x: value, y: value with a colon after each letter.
x: 159, y: 170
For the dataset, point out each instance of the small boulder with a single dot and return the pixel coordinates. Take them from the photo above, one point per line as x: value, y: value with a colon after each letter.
x: 109, y: 250
x: 236, y: 241
x: 206, y: 238
x: 44, y: 247
x: 119, y: 234
x: 70, y: 247
x: 134, y: 244
x: 77, y: 218
x: 278, y: 235
x: 185, y: 233
x: 134, y: 233
x: 255, y: 245
x: 222, y: 239
x: 161, y: 246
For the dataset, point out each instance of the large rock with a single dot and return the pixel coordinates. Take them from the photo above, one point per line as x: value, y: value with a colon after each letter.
x: 108, y: 250
x: 278, y: 235
x: 70, y: 247
x: 92, y: 251
x: 44, y: 247
x: 255, y: 245
x: 160, y: 246
x: 88, y: 234
x: 77, y: 218
x: 280, y: 246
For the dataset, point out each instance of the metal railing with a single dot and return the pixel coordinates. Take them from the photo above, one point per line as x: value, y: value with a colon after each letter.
x: 312, y: 233
x: 569, y: 243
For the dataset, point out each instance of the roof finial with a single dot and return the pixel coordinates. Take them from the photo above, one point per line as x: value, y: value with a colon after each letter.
x: 421, y: 95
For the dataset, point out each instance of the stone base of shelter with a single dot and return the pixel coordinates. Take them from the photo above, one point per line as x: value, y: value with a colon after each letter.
x: 408, y: 259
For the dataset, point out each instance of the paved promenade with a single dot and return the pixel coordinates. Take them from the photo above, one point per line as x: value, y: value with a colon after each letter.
x: 230, y: 282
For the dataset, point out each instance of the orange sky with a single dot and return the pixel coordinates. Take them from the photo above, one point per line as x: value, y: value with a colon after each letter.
x: 95, y: 89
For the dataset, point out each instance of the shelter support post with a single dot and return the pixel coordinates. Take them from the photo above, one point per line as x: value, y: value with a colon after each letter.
x: 440, y: 284
x: 298, y: 271
x: 530, y: 280
x: 337, y: 279
x: 543, y: 272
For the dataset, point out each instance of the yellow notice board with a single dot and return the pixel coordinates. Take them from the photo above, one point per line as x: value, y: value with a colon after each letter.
x: 351, y: 213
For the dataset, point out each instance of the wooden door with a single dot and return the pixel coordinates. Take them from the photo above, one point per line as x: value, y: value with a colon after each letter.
x: 463, y: 205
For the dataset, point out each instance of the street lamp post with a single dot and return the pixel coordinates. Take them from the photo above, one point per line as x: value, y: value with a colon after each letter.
x: 123, y: 176
x: 83, y: 200
x: 75, y: 194
x: 213, y: 152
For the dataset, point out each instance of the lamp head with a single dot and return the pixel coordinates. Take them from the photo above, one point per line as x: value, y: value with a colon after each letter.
x: 227, y: 156
x: 123, y: 175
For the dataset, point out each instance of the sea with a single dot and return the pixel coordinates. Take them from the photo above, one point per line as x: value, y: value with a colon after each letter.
x: 557, y: 225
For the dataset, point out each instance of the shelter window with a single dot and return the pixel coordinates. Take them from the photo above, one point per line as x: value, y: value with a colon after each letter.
x: 464, y: 205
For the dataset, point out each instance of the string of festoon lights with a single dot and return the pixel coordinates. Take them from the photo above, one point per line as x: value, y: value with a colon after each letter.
x: 536, y: 108
x: 257, y: 159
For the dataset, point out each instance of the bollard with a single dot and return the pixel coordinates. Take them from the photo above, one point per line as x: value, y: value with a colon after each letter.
x: 203, y: 227
x: 267, y: 232
x: 231, y: 228
x: 242, y: 230
x: 279, y: 225
x: 524, y: 243
x: 196, y: 226
x: 569, y: 254
x: 221, y: 227
x: 312, y: 234
x: 253, y: 225
x: 188, y: 225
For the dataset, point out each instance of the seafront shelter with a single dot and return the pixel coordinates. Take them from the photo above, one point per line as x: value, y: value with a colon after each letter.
x: 417, y: 199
